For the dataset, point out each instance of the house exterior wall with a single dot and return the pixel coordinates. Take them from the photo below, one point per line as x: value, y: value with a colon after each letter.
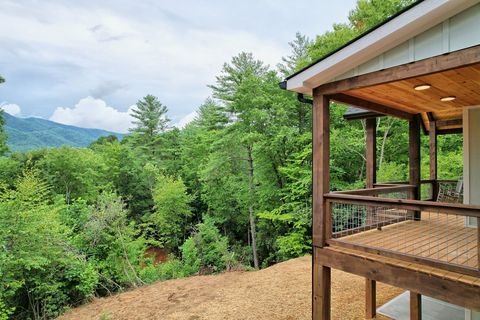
x: 471, y: 134
x: 459, y: 32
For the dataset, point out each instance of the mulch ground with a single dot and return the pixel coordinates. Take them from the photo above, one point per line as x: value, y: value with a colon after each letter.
x: 282, y: 291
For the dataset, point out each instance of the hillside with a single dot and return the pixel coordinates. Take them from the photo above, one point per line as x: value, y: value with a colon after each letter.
x: 34, y: 133
x: 282, y: 291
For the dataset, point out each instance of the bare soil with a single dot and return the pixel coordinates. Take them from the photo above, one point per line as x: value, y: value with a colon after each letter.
x: 282, y: 291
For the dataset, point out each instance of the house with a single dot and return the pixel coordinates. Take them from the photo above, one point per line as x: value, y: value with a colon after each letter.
x: 421, y: 65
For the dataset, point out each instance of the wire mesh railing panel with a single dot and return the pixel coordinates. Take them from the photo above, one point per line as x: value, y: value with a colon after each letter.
x: 434, y: 235
x: 348, y: 219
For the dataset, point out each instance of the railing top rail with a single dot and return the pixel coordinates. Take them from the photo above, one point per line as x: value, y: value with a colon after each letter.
x: 378, y: 190
x: 418, y: 205
x: 406, y: 182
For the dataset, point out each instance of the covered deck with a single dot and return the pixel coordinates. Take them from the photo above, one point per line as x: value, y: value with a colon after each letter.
x: 422, y: 66
x: 393, y: 226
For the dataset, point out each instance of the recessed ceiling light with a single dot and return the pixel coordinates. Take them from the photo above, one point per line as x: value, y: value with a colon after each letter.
x: 421, y: 87
x: 449, y: 98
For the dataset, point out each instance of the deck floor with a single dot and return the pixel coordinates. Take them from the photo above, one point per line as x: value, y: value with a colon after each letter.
x: 437, y: 236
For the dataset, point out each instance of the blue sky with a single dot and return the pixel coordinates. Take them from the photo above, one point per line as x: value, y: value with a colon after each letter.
x: 87, y: 62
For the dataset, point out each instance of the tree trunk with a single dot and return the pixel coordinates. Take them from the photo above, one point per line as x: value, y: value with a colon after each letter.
x: 384, y: 140
x: 251, y: 190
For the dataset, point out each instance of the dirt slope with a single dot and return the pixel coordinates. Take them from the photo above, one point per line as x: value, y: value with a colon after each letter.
x: 282, y: 291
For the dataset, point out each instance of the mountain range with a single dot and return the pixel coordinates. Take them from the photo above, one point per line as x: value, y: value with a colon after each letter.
x: 34, y: 133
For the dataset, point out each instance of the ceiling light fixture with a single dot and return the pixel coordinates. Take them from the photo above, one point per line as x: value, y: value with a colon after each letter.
x: 449, y: 98
x: 421, y: 87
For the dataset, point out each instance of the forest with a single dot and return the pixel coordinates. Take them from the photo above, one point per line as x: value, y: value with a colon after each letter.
x: 230, y: 191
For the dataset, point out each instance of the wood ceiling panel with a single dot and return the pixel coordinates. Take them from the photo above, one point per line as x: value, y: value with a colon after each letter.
x: 463, y: 83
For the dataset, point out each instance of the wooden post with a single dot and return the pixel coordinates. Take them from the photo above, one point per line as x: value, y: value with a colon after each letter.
x: 320, y: 166
x: 414, y: 158
x: 433, y: 159
x: 370, y: 298
x: 415, y: 306
x: 371, y: 161
x: 321, y: 298
x: 321, y: 281
x: 371, y: 151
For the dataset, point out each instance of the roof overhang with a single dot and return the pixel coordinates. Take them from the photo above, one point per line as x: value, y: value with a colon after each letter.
x: 399, y: 29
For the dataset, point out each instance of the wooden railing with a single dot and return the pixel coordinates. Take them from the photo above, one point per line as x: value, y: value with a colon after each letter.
x: 371, y: 220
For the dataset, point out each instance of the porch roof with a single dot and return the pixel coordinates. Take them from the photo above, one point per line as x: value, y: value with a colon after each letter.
x: 399, y: 29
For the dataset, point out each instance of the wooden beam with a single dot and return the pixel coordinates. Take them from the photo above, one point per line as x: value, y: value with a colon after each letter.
x: 433, y: 158
x: 415, y: 306
x: 370, y: 298
x: 371, y: 151
x: 452, y: 60
x: 450, y: 122
x: 435, y: 286
x: 320, y: 167
x: 372, y: 106
x: 321, y: 297
x: 414, y: 158
x: 450, y: 131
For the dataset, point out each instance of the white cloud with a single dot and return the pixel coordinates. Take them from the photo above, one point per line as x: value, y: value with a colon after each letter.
x: 186, y: 119
x: 94, y: 113
x: 10, y: 108
x: 120, y: 51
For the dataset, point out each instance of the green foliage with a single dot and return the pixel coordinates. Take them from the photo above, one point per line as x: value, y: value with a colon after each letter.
x: 75, y: 223
x: 206, y: 249
x: 3, y: 134
x: 171, y: 212
x: 172, y: 269
x: 40, y: 272
x: 366, y: 15
x: 74, y: 172
x: 151, y: 120
x: 111, y: 242
x: 392, y: 171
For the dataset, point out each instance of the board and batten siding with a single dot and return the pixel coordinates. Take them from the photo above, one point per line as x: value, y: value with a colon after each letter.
x: 459, y: 32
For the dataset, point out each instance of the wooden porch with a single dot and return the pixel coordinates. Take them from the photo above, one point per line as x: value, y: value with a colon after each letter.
x: 386, y: 232
x: 436, y: 236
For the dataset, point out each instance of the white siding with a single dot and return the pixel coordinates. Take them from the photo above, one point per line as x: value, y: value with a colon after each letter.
x: 459, y: 32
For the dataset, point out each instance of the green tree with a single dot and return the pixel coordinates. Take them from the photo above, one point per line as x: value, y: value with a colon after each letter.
x: 40, y: 272
x: 112, y: 243
x: 172, y: 211
x: 151, y: 120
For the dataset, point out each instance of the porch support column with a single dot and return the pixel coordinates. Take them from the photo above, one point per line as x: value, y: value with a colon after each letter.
x: 371, y: 179
x: 321, y: 298
x: 433, y: 158
x: 415, y: 306
x: 370, y: 298
x: 414, y: 158
x: 371, y: 151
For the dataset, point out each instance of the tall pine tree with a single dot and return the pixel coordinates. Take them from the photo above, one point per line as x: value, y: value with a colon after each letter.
x: 151, y: 121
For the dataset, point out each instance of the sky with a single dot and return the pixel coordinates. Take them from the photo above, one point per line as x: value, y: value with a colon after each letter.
x: 87, y: 63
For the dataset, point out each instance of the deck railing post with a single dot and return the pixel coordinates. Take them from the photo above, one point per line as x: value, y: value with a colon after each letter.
x: 433, y: 159
x: 414, y: 158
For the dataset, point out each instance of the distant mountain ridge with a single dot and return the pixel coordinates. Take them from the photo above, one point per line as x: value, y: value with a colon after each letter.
x: 34, y: 133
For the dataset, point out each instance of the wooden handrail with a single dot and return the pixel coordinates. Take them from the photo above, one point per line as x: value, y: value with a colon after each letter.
x: 378, y: 190
x: 414, y: 205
